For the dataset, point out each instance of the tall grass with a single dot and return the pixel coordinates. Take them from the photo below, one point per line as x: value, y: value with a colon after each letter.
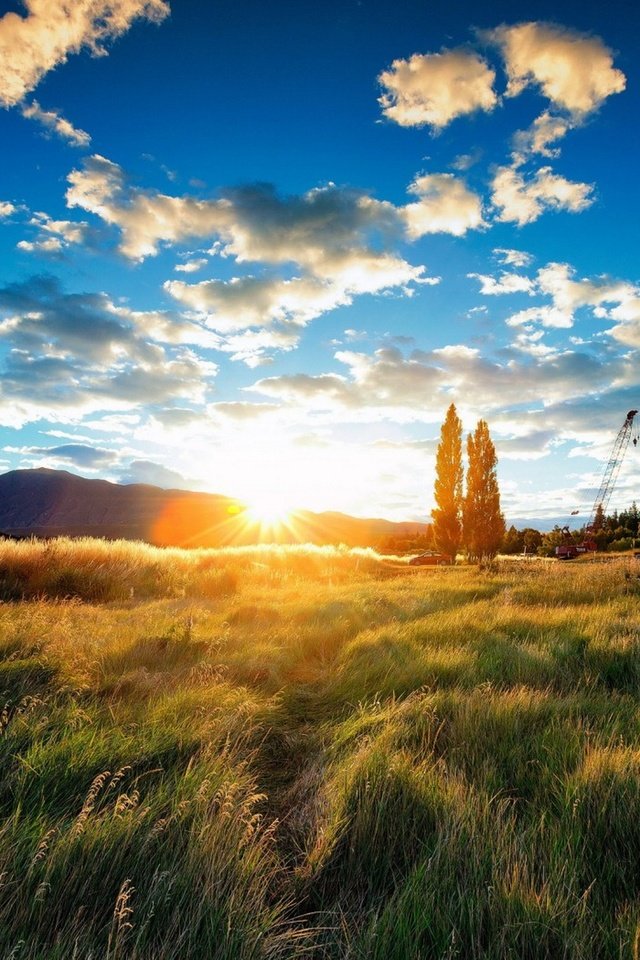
x: 315, y: 752
x: 101, y: 570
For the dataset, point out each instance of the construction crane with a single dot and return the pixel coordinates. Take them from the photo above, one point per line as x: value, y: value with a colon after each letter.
x: 569, y: 549
x: 612, y: 470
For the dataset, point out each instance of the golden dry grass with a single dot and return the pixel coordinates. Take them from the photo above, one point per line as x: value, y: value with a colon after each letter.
x: 316, y: 752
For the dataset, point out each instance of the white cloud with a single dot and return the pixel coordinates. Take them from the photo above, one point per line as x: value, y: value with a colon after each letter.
x: 445, y: 205
x: 547, y: 315
x: 512, y: 258
x: 71, y: 354
x: 545, y: 131
x: 253, y: 223
x: 607, y: 299
x: 575, y: 71
x: 53, y: 236
x: 191, y: 266
x: 627, y: 313
x: 352, y: 336
x: 31, y: 46
x: 254, y: 347
x: 339, y: 240
x: 505, y: 283
x: 284, y: 305
x: 46, y: 245
x: 54, y: 122
x: 416, y: 388
x: 242, y: 302
x: 7, y: 209
x: 145, y: 219
x: 435, y: 88
x: 521, y: 200
x: 321, y: 229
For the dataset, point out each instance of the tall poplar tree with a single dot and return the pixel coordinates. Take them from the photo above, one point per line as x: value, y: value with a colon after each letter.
x: 482, y: 521
x: 447, y: 527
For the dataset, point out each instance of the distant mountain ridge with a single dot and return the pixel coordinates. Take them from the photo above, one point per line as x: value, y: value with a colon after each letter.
x: 48, y: 503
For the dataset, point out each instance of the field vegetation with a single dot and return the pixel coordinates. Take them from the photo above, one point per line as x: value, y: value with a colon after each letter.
x: 319, y: 753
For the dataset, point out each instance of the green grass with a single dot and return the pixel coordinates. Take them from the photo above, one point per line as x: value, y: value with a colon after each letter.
x: 316, y: 753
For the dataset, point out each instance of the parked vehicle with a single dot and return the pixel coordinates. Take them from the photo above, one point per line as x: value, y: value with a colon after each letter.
x: 430, y: 560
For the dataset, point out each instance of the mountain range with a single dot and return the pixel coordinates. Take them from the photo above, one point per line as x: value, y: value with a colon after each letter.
x: 50, y: 503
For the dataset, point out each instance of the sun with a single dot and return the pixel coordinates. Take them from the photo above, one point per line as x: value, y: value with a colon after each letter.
x: 269, y: 509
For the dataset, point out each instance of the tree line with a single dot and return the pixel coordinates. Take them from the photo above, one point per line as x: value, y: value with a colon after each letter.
x: 467, y: 512
x: 617, y: 531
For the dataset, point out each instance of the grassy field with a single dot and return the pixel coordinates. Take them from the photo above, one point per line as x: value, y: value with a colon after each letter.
x: 319, y: 753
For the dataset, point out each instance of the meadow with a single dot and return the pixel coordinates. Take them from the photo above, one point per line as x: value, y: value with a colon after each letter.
x: 286, y: 752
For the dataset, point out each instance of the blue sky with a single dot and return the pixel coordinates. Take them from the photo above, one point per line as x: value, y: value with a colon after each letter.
x: 258, y: 249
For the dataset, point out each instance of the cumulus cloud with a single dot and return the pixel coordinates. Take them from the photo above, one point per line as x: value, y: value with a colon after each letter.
x: 389, y: 385
x: 234, y: 306
x: 319, y: 391
x: 540, y: 138
x: 527, y: 443
x: 53, y: 236
x: 318, y: 229
x: 339, y: 243
x: 520, y: 199
x: 243, y: 302
x: 545, y: 314
x: 71, y: 354
x: 505, y: 283
x: 445, y: 205
x: 512, y: 258
x: 252, y: 223
x: 573, y: 70
x: 54, y: 122
x: 31, y: 46
x: 191, y: 266
x: 435, y: 88
x: 7, y: 209
x: 255, y: 347
x: 145, y: 219
x: 606, y: 298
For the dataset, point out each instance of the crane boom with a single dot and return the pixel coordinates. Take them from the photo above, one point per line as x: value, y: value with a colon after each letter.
x: 612, y: 469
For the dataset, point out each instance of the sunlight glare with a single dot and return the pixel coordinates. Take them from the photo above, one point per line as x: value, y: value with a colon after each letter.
x: 268, y: 509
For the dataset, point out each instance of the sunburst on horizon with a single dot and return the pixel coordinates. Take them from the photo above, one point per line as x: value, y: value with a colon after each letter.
x: 269, y: 510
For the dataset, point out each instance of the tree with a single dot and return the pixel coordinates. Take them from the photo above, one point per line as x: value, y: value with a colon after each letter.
x: 482, y: 521
x: 447, y: 527
x: 556, y: 538
x: 599, y: 518
x: 532, y: 539
x: 513, y: 541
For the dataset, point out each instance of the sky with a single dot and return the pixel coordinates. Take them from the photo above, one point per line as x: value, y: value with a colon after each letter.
x: 258, y: 249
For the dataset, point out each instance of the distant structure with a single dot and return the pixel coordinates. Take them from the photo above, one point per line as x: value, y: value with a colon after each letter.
x: 569, y: 549
x: 612, y: 469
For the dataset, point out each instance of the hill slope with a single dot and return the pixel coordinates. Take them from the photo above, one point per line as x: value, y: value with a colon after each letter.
x: 46, y: 502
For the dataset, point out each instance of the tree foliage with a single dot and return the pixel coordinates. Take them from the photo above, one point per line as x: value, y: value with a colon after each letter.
x: 482, y: 519
x: 599, y: 519
x: 521, y: 541
x: 447, y: 526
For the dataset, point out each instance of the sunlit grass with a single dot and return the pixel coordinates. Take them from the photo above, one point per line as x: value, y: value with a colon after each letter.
x: 315, y: 752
